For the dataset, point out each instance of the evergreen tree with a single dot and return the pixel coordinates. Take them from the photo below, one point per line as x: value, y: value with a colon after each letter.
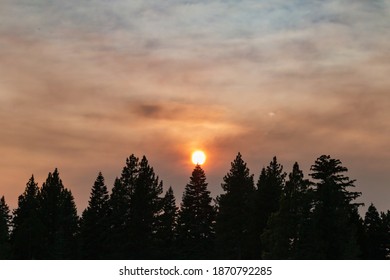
x: 167, y: 226
x: 28, y: 228
x: 94, y: 222
x: 118, y: 222
x: 145, y: 208
x: 196, y: 218
x: 283, y: 237
x: 376, y: 235
x: 5, y: 221
x: 334, y: 235
x: 266, y: 201
x: 235, y: 211
x: 386, y: 231
x: 361, y: 237
x: 269, y: 189
x: 120, y: 226
x: 59, y: 214
x: 136, y: 205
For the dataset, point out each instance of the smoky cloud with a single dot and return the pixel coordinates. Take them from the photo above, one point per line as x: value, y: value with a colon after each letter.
x: 83, y: 85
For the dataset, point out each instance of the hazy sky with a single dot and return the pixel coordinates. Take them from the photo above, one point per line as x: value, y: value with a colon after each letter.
x: 84, y: 84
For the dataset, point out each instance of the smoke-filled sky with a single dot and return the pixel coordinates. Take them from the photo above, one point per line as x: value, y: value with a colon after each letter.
x: 84, y: 84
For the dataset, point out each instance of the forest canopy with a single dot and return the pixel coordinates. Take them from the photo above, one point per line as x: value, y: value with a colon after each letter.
x: 279, y: 216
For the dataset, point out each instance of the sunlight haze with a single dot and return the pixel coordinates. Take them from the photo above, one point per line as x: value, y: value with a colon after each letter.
x: 84, y: 84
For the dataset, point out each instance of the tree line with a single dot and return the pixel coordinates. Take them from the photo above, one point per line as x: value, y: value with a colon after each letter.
x: 280, y: 217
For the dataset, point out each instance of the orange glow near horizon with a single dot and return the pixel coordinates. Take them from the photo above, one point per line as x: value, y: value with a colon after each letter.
x: 198, y: 157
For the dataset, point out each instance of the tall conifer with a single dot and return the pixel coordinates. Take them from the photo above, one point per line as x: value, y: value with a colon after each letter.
x: 5, y: 221
x: 234, y: 212
x: 28, y: 227
x: 196, y: 218
x: 334, y: 233
x: 145, y: 209
x: 167, y: 226
x: 94, y: 228
x: 59, y: 215
x: 282, y: 238
x: 135, y: 207
x: 120, y: 203
x: 376, y: 234
x: 266, y: 202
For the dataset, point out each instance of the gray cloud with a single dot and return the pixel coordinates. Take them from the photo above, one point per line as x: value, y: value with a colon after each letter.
x: 83, y: 84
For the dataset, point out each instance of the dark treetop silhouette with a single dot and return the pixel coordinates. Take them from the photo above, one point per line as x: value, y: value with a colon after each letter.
x: 295, y: 218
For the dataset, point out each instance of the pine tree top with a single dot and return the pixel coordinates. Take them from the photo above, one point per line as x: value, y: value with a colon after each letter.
x: 239, y: 178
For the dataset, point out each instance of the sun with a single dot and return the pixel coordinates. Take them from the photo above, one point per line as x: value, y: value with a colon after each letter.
x: 198, y: 157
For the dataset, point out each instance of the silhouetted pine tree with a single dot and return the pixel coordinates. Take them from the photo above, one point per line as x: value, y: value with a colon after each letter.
x: 196, y: 219
x: 266, y: 201
x: 135, y: 207
x: 120, y: 226
x: 333, y: 232
x: 28, y: 228
x: 282, y: 238
x: 376, y: 235
x: 5, y: 221
x: 235, y: 212
x: 167, y: 227
x: 145, y: 208
x: 59, y: 214
x: 361, y: 237
x: 94, y: 226
x: 386, y: 229
x: 118, y: 222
